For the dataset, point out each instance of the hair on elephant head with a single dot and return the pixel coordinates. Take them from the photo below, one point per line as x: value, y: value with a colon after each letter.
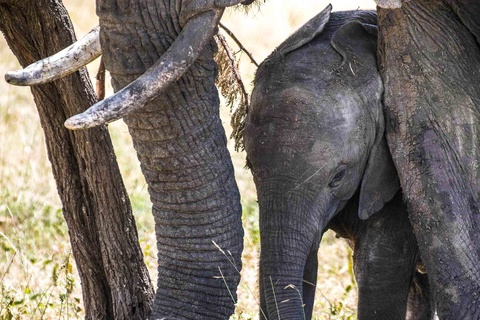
x: 315, y: 140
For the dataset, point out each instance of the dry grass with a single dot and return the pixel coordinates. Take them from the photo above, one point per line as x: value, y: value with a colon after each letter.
x: 37, y: 274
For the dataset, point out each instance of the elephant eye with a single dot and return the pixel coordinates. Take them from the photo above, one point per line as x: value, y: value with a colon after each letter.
x: 337, y: 178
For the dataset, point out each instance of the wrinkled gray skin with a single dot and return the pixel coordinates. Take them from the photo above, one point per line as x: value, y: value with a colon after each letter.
x: 429, y: 53
x: 181, y: 145
x: 315, y: 143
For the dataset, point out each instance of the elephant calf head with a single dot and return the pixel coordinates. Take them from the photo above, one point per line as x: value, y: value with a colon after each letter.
x: 314, y: 137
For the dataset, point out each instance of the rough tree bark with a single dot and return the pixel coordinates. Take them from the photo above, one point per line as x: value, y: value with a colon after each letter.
x: 430, y: 62
x: 115, y: 281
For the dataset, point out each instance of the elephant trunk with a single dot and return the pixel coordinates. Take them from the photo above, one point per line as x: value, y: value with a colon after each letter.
x: 283, y: 278
x: 290, y: 235
x: 181, y: 145
x: 196, y: 207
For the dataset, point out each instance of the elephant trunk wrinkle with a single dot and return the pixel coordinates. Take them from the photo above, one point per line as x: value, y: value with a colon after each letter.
x: 283, y: 295
x: 189, y: 217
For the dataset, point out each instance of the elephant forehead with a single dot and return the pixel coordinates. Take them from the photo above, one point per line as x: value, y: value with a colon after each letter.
x: 346, y: 150
x: 336, y: 111
x: 319, y: 126
x: 338, y: 117
x: 343, y: 127
x: 301, y: 99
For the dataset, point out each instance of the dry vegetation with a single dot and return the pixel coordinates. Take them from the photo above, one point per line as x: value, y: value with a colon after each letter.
x: 37, y: 272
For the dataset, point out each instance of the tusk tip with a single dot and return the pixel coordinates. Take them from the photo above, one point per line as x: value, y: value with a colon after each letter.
x: 82, y: 121
x: 71, y: 124
x: 22, y: 78
x: 14, y: 77
x: 76, y: 123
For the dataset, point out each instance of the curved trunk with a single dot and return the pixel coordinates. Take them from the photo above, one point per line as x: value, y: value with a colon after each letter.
x: 182, y: 149
x: 429, y: 56
x: 288, y: 258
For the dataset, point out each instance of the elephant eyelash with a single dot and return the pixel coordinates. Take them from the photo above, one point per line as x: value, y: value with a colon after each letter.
x: 337, y: 178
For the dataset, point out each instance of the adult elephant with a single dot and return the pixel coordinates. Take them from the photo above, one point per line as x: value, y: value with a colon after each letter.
x: 181, y: 145
x: 315, y: 143
x: 430, y: 61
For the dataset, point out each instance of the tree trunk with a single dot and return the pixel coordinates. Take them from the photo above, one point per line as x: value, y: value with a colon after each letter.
x: 115, y: 281
x: 430, y: 64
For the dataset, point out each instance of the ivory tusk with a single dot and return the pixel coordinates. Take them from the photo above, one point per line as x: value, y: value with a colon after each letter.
x: 60, y: 64
x: 196, y: 34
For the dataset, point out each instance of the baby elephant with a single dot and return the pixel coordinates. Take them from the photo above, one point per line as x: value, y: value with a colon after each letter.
x: 315, y: 143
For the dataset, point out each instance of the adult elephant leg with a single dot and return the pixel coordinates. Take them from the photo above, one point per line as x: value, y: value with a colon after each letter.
x: 182, y: 149
x: 429, y: 62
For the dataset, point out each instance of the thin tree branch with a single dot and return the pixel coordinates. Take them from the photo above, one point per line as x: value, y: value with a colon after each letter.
x: 234, y: 38
x: 101, y: 80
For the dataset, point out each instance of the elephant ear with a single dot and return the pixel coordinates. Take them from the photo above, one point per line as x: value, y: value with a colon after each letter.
x: 380, y: 179
x: 356, y: 42
x: 306, y: 33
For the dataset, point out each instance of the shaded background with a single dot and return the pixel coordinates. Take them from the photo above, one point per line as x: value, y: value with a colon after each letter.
x: 37, y: 272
